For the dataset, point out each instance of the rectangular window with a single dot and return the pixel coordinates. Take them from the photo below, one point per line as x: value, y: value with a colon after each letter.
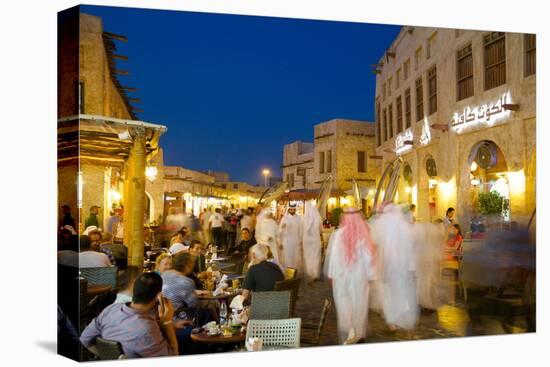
x: 321, y: 162
x: 389, y: 86
x: 407, y: 108
x: 329, y: 161
x: 236, y: 186
x: 390, y: 119
x: 431, y: 45
x: 495, y: 59
x: 432, y: 90
x: 291, y: 179
x: 384, y: 91
x: 399, y: 108
x: 417, y: 58
x: 457, y: 33
x: 530, y: 46
x: 419, y: 100
x: 406, y: 69
x: 377, y: 119
x: 465, y: 73
x: 361, y: 162
x: 397, y: 78
x: 385, y: 126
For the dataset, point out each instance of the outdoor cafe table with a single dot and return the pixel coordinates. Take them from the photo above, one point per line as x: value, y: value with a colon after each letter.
x: 492, y: 266
x: 203, y: 337
x: 220, y: 258
x: 209, y: 295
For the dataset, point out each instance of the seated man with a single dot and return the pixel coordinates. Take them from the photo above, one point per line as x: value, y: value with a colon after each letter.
x: 88, y: 258
x: 262, y: 274
x: 96, y: 239
x: 177, y: 245
x: 246, y: 243
x: 144, y: 327
x: 118, y: 251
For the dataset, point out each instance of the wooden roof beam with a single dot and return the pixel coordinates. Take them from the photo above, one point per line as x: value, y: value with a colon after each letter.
x: 129, y: 89
x: 120, y: 57
x: 115, y: 36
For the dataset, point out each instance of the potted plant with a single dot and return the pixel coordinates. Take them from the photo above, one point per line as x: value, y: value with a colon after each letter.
x: 492, y: 205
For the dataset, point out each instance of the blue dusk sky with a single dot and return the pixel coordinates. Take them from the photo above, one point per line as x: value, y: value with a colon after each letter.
x: 234, y: 89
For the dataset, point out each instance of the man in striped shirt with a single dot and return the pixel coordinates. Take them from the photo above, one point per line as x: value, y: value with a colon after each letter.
x: 143, y: 327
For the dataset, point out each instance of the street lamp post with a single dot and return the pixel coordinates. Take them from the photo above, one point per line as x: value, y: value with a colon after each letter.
x: 266, y: 174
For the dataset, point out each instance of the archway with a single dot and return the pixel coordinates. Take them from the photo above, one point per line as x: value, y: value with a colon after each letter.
x: 489, y: 175
x: 429, y: 185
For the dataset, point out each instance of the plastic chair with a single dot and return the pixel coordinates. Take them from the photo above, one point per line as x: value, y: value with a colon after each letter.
x: 292, y: 285
x: 283, y: 332
x: 108, y: 349
x: 103, y: 275
x: 319, y: 327
x: 291, y: 273
x: 270, y: 305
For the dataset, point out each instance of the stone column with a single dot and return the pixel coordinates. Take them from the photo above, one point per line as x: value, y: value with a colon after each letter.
x: 135, y: 202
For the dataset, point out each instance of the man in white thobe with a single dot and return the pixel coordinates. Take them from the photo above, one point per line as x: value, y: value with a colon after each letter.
x: 290, y: 230
x: 396, y: 287
x: 267, y: 233
x: 311, y: 241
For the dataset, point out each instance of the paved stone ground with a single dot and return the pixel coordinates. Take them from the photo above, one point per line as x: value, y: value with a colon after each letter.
x: 454, y: 319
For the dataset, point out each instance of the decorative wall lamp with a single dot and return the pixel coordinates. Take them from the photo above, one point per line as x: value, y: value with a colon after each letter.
x: 510, y: 106
x: 151, y: 171
x: 442, y: 127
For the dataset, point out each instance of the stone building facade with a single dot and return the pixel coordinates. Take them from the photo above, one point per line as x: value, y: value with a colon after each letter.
x: 298, y: 165
x: 103, y: 149
x: 189, y: 191
x: 448, y: 101
x: 344, y: 149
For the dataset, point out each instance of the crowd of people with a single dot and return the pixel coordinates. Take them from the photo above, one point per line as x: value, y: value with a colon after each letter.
x: 389, y: 263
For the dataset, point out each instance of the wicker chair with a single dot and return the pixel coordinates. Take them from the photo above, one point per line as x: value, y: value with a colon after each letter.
x: 284, y: 332
x: 104, y: 275
x: 319, y: 327
x: 270, y: 305
x: 292, y: 285
x: 108, y: 349
x: 98, y: 303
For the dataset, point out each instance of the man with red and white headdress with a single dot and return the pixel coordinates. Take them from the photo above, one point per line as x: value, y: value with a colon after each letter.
x: 351, y: 262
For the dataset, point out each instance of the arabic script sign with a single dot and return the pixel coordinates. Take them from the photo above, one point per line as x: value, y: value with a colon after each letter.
x: 426, y: 135
x: 400, y: 140
x: 486, y: 114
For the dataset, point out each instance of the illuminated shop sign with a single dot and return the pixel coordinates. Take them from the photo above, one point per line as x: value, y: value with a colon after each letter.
x: 485, y: 115
x: 426, y: 135
x: 403, y: 141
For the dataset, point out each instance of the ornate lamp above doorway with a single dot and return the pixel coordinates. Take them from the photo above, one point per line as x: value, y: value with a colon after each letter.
x: 151, y: 171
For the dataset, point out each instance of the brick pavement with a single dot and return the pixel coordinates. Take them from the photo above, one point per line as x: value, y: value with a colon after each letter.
x: 453, y: 319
